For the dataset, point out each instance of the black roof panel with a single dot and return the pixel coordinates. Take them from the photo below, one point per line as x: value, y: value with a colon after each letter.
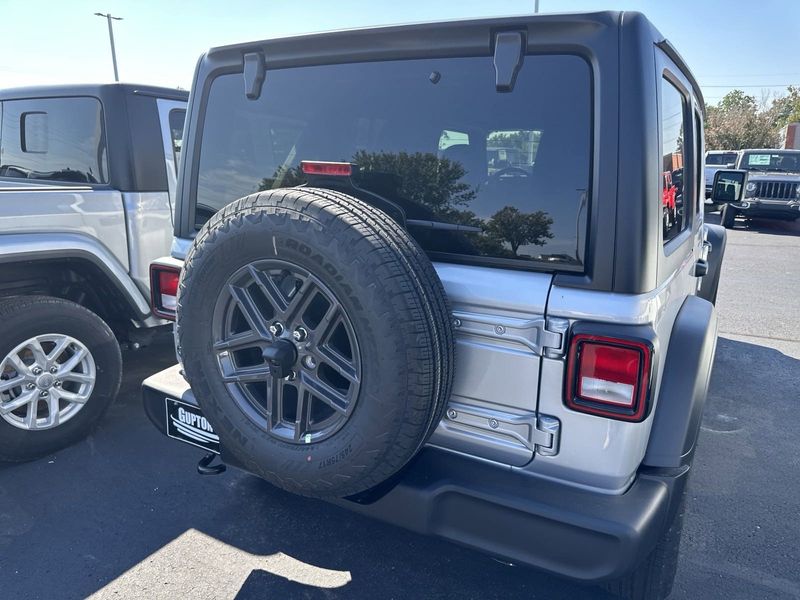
x: 91, y: 89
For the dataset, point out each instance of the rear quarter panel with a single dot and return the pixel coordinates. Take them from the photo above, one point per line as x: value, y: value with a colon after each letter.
x: 97, y: 213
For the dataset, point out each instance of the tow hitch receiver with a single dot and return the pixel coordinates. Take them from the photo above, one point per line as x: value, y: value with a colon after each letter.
x: 204, y: 466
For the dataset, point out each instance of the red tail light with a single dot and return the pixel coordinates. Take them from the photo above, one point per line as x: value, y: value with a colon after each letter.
x: 164, y: 290
x: 338, y: 169
x: 609, y: 377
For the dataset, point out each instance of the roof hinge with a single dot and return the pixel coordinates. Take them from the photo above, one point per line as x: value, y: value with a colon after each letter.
x: 509, y: 52
x: 254, y: 73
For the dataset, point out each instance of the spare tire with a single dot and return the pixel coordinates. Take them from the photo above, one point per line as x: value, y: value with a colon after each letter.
x: 317, y: 339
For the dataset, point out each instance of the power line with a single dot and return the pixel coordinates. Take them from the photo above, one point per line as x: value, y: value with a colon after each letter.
x: 717, y: 76
x: 755, y: 85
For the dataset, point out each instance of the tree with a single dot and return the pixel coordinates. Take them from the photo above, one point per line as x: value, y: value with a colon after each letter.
x: 520, y: 229
x: 423, y: 178
x: 283, y: 177
x: 737, y: 100
x: 786, y: 109
x: 739, y: 121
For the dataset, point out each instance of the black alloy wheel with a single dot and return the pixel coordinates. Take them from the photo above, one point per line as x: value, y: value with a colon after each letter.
x: 287, y: 351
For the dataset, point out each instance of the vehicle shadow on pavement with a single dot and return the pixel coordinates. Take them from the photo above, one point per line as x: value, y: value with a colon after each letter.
x: 741, y: 532
x: 263, y: 584
x: 761, y: 226
x: 124, y: 514
x: 772, y: 227
x: 383, y: 561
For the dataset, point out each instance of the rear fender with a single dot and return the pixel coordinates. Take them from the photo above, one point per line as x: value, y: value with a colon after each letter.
x: 684, y: 385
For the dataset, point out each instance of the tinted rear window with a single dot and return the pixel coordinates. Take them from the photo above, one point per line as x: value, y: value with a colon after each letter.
x: 721, y: 159
x: 433, y: 136
x: 56, y: 139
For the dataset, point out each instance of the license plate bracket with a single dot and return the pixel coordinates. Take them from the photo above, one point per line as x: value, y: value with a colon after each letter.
x: 186, y: 423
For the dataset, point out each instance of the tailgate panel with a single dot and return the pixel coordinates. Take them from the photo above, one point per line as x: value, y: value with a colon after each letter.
x: 499, y: 319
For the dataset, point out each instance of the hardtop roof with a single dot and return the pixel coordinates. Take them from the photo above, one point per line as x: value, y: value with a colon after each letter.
x: 90, y: 89
x: 605, y: 18
x: 443, y: 38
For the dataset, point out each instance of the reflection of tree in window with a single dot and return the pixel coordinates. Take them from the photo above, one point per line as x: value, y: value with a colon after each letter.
x: 421, y: 178
x: 428, y: 187
x: 520, y: 229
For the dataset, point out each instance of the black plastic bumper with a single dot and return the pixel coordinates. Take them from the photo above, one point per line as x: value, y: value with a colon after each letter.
x: 768, y: 210
x: 522, y: 519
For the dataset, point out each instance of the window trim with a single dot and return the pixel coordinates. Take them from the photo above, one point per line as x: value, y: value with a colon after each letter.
x: 699, y: 160
x: 104, y: 133
x: 187, y: 225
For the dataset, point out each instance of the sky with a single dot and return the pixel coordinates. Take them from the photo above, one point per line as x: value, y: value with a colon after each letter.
x: 727, y: 43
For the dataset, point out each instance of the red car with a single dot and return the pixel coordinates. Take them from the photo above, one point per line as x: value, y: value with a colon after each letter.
x: 669, y: 192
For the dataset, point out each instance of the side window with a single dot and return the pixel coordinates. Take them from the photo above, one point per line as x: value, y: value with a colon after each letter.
x: 177, y: 117
x: 675, y: 213
x: 56, y: 139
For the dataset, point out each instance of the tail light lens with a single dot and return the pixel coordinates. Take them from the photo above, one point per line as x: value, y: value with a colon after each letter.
x: 164, y: 290
x: 609, y: 377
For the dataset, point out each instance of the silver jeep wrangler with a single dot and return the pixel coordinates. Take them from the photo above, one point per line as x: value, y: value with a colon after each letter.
x: 456, y: 291
x: 87, y: 183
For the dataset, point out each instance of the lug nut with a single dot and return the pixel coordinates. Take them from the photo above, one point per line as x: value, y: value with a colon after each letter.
x: 57, y: 384
x: 36, y: 371
x: 44, y: 394
x: 300, y: 334
x: 309, y: 362
x: 276, y: 328
x: 30, y: 386
x: 291, y: 376
x: 54, y: 370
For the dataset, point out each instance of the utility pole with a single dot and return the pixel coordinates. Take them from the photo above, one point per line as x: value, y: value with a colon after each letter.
x: 109, y: 17
x: 536, y: 6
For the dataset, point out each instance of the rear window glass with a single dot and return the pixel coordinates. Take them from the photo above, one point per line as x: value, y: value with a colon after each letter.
x: 718, y: 159
x: 56, y: 139
x: 478, y: 172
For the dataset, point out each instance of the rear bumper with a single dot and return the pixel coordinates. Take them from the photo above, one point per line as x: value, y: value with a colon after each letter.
x: 549, y: 525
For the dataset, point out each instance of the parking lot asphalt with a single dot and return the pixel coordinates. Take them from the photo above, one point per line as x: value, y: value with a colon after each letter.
x: 123, y: 514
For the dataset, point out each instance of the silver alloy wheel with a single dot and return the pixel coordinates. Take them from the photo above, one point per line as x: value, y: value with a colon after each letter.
x: 45, y: 381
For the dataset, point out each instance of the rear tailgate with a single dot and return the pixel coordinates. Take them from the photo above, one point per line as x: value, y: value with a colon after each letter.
x: 500, y: 340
